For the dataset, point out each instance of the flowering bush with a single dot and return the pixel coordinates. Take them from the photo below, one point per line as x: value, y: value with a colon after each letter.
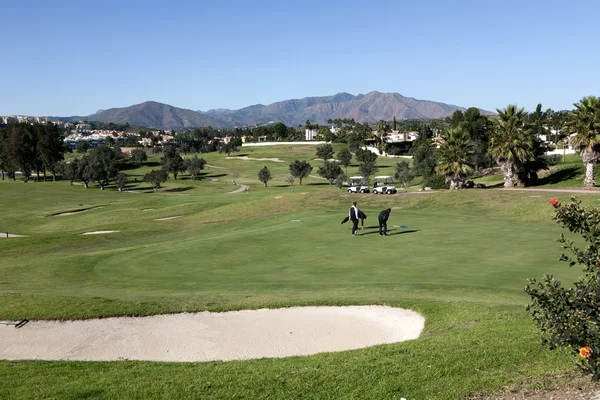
x: 570, y: 317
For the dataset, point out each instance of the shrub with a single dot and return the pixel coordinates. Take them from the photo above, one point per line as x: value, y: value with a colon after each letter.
x: 553, y: 159
x: 570, y: 317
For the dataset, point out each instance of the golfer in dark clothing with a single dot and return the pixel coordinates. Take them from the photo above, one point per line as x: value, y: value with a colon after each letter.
x: 354, y: 218
x: 361, y: 215
x: 383, y: 217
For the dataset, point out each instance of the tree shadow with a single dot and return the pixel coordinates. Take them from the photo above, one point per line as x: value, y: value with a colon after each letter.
x: 140, y: 189
x: 179, y: 189
x: 560, y: 175
x: 317, y: 184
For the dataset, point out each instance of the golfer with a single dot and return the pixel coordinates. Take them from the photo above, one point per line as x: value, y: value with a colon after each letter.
x: 353, y: 215
x: 361, y: 215
x: 383, y: 217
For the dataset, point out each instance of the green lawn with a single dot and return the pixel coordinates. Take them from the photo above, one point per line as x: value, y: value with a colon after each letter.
x: 462, y: 262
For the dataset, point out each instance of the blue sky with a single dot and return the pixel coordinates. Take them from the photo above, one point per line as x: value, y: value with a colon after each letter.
x: 75, y: 57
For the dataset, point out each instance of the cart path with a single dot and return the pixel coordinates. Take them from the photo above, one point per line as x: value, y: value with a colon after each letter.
x: 240, y: 190
x: 533, y: 189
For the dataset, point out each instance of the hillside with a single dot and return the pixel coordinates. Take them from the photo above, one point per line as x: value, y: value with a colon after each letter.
x: 370, y: 107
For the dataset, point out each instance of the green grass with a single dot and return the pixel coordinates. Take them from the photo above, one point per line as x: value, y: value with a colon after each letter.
x: 462, y: 262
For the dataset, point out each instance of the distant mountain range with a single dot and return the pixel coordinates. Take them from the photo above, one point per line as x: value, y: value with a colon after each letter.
x: 370, y: 107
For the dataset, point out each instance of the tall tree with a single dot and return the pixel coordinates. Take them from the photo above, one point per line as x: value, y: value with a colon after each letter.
x: 172, y: 162
x: 455, y: 157
x: 264, y: 175
x: 300, y: 169
x: 102, y: 165
x: 425, y: 158
x: 21, y: 148
x: 584, y: 123
x: 383, y: 129
x: 345, y: 158
x: 50, y: 148
x: 510, y: 143
x: 538, y: 121
x: 280, y: 131
x: 325, y: 151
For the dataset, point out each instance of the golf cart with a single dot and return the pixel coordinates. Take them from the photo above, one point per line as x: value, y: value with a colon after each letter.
x: 384, y: 185
x: 358, y: 184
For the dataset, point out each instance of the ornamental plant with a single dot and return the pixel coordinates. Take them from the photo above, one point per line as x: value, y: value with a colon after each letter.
x: 569, y: 317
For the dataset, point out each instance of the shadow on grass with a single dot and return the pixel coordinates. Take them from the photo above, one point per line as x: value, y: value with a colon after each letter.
x: 139, y: 188
x: 179, y: 189
x: 560, y: 175
x: 318, y: 184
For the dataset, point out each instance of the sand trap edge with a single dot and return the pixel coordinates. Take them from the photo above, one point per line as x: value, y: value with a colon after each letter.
x: 205, y: 336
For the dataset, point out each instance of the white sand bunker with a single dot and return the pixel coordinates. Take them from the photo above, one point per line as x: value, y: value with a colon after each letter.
x: 255, y: 159
x: 99, y: 232
x: 208, y: 336
x: 168, y: 218
x: 10, y: 235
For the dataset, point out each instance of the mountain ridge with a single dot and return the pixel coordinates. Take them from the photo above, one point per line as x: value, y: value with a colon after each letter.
x: 370, y: 107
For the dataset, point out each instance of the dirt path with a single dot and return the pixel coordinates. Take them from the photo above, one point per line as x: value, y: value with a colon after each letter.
x: 533, y: 189
x: 208, y: 336
x: 240, y: 190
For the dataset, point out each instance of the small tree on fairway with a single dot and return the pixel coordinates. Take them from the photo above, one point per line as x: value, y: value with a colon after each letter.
x: 139, y: 156
x: 368, y: 170
x: 156, y: 177
x: 84, y: 170
x: 83, y: 146
x: 290, y: 180
x: 403, y: 173
x: 345, y: 158
x: 365, y: 156
x: 340, y: 180
x: 325, y: 151
x: 121, y: 181
x: 194, y: 166
x: 70, y: 170
x: 300, y: 169
x: 234, y: 176
x: 570, y: 318
x: 330, y: 171
x: 264, y: 175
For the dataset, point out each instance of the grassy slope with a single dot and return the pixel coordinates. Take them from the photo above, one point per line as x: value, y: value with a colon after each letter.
x: 462, y: 262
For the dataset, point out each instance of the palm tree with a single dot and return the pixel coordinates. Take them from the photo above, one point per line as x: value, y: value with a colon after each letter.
x: 510, y: 142
x: 383, y: 128
x: 456, y: 157
x: 584, y: 123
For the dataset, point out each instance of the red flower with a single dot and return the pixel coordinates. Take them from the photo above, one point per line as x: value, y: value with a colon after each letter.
x: 585, y: 352
x: 554, y: 202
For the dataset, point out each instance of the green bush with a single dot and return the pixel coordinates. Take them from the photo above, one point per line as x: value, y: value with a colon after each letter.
x: 570, y: 317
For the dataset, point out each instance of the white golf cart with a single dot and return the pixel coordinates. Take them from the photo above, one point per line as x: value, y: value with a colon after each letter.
x: 384, y: 185
x: 358, y: 184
